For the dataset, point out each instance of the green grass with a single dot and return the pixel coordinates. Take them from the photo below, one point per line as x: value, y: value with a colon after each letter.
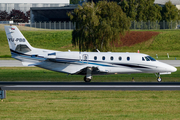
x: 168, y: 41
x: 91, y: 105
x: 48, y: 39
x: 38, y: 74
x: 55, y: 40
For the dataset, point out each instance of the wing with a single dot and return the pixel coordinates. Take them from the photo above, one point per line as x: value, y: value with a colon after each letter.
x: 71, y: 67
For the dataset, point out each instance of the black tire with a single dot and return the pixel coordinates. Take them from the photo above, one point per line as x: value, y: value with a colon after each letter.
x: 87, y: 79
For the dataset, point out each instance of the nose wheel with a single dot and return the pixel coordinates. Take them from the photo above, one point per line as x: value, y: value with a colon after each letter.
x: 159, y: 79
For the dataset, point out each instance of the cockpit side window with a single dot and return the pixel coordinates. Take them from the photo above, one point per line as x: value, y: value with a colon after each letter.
x: 143, y: 59
x: 149, y: 58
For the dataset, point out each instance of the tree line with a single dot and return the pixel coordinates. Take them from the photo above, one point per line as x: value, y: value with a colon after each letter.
x: 146, y: 10
x: 15, y: 15
x: 99, y: 25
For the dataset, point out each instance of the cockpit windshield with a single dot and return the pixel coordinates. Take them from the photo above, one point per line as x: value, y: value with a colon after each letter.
x: 149, y: 58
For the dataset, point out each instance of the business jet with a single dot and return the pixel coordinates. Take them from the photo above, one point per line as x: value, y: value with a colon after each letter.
x: 83, y: 63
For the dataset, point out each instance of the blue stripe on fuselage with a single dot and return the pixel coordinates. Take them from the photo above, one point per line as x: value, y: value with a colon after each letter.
x: 75, y: 61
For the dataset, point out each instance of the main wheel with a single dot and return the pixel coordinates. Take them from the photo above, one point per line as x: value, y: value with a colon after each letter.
x: 159, y: 79
x: 87, y: 79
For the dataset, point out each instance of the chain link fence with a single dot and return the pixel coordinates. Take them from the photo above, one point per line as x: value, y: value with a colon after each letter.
x: 53, y: 25
x: 155, y: 25
x: 70, y: 25
x: 42, y: 25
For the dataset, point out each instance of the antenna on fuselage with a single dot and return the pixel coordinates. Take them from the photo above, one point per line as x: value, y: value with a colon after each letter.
x: 98, y: 51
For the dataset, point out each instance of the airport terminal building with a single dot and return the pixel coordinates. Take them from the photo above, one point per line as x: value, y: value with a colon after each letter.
x: 25, y: 5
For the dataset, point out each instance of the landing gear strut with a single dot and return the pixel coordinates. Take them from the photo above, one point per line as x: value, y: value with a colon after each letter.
x: 88, y: 76
x: 159, y: 78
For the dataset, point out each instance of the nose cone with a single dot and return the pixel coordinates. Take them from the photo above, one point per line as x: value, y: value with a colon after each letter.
x: 170, y: 68
x: 173, y: 69
x: 166, y: 68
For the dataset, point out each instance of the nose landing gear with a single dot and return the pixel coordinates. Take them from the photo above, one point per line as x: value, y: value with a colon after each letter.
x: 159, y: 79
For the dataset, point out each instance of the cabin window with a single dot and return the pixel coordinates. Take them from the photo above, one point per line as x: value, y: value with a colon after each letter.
x: 103, y: 58
x: 143, y: 59
x: 120, y: 58
x: 95, y: 57
x: 128, y: 58
x: 111, y: 58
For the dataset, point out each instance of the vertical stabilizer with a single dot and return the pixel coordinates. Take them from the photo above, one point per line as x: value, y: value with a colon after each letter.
x: 16, y: 40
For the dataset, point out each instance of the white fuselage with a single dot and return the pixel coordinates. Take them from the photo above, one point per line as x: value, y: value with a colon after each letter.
x: 106, y: 62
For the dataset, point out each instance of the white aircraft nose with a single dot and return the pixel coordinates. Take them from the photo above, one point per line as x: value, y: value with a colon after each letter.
x: 170, y: 68
x: 173, y: 69
x: 167, y: 68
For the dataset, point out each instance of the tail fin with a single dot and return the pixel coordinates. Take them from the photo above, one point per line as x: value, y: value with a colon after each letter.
x: 16, y: 40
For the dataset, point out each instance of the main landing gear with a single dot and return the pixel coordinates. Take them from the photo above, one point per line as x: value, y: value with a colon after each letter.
x: 88, y: 76
x: 159, y: 79
x: 87, y: 79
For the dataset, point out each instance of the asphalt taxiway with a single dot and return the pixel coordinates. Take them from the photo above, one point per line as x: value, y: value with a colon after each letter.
x: 90, y: 86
